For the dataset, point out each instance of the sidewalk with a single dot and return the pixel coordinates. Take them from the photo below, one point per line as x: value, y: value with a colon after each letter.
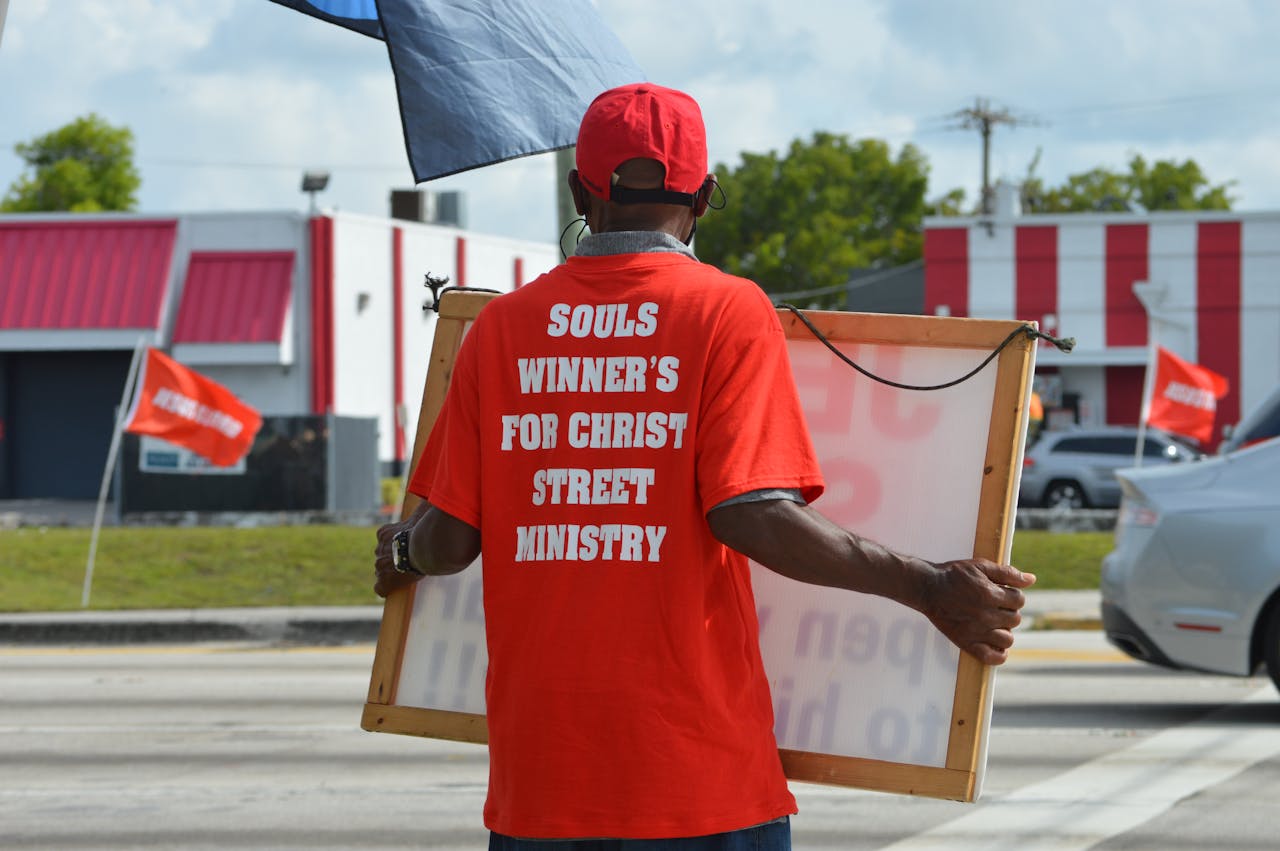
x: 330, y: 625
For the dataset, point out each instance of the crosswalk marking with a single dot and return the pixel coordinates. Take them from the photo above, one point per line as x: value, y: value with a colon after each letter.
x: 1111, y: 794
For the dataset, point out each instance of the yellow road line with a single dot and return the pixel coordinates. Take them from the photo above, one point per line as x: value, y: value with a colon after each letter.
x: 1051, y: 654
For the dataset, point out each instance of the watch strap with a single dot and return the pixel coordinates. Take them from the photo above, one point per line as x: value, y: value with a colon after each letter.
x: 400, y: 559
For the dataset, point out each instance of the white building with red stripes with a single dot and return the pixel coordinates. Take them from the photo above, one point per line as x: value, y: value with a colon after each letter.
x: 1207, y: 288
x: 295, y: 314
x: 312, y: 315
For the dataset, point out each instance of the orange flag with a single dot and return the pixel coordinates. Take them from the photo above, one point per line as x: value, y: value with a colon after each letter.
x: 181, y: 406
x: 1185, y: 397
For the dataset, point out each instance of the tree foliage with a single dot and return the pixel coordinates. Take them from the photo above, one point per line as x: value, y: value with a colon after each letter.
x: 806, y: 219
x: 85, y: 166
x: 1160, y: 185
x: 950, y: 204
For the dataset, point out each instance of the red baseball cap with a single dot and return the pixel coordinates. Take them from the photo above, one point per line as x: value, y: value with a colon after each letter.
x: 643, y: 120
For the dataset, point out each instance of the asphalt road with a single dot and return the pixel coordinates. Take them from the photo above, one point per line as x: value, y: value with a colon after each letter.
x: 248, y: 747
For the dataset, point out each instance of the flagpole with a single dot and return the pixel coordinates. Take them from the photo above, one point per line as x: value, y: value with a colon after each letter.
x: 129, y: 382
x: 1148, y: 381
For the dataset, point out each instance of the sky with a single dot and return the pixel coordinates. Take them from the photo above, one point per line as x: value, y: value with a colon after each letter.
x: 231, y: 100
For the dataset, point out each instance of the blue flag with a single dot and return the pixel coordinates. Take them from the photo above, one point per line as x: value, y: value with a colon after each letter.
x: 482, y: 81
x: 358, y: 15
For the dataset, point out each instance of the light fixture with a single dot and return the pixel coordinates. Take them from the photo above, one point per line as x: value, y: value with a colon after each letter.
x: 313, y: 182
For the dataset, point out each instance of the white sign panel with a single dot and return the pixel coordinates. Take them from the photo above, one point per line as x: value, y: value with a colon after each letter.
x: 866, y: 692
x: 161, y: 456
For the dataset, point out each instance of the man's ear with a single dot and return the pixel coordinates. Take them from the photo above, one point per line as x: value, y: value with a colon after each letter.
x: 703, y: 196
x: 578, y: 192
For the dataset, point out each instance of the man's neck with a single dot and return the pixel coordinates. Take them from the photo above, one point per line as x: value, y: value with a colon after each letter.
x: 631, y: 242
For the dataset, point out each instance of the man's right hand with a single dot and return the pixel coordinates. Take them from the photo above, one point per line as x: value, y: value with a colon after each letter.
x: 976, y: 603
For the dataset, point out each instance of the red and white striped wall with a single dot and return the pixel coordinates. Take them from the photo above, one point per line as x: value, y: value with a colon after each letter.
x: 1213, y: 278
x: 370, y: 337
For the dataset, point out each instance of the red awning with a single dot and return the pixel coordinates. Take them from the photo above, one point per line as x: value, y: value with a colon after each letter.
x: 235, y: 297
x: 76, y: 275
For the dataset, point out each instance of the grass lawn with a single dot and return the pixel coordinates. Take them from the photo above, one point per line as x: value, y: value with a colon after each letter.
x: 189, y: 567
x: 1062, y: 561
x: 166, y: 567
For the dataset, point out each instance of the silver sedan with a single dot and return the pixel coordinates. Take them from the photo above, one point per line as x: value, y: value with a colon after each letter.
x: 1194, y: 579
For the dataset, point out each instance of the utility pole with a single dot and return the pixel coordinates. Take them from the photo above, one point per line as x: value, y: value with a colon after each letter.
x: 566, y: 159
x: 983, y: 117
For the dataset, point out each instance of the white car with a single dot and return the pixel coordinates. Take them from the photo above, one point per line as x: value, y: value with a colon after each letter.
x: 1194, y: 579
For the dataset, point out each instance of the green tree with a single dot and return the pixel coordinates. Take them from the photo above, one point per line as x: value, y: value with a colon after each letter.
x: 950, y: 204
x: 1161, y: 185
x: 1168, y: 185
x: 805, y: 220
x: 83, y: 167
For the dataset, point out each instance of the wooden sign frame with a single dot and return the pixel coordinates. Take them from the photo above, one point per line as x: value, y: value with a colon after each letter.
x: 961, y: 775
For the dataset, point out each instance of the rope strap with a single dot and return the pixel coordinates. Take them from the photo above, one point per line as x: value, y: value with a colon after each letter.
x: 1064, y: 344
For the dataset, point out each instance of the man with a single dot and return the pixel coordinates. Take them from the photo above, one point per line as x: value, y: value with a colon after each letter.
x: 619, y: 436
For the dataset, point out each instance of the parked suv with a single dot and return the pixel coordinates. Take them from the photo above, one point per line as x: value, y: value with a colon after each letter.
x: 1263, y: 423
x: 1076, y: 468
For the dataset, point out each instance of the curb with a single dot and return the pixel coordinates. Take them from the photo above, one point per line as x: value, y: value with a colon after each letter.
x: 183, y: 627
x: 295, y: 632
x: 289, y: 631
x: 1067, y: 520
x: 339, y: 625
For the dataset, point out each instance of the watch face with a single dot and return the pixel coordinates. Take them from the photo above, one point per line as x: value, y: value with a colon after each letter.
x: 400, y: 551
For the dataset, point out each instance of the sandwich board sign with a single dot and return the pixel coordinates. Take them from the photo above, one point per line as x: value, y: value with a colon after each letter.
x: 866, y: 692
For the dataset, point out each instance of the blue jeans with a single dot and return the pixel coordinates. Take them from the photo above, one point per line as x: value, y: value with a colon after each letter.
x: 774, y: 836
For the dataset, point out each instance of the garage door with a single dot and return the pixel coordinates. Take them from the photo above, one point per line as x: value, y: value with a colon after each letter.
x: 58, y: 410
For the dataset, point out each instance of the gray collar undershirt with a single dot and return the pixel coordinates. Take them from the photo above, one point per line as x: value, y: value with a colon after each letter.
x: 630, y: 242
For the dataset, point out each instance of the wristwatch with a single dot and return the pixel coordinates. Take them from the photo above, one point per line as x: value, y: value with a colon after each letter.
x: 400, y: 554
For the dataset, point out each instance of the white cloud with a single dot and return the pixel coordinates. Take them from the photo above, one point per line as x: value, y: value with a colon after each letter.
x: 87, y: 41
x: 252, y: 82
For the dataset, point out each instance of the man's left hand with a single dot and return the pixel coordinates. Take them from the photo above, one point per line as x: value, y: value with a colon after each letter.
x: 386, y: 578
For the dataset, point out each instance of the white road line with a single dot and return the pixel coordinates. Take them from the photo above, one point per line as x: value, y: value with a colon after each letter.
x: 1111, y: 794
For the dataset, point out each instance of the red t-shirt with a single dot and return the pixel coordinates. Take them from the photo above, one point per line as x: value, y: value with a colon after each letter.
x: 595, y: 416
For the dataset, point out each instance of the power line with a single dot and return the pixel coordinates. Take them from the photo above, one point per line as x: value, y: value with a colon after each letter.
x: 267, y: 166
x: 1165, y: 103
x: 936, y: 123
x: 851, y: 284
x: 970, y: 118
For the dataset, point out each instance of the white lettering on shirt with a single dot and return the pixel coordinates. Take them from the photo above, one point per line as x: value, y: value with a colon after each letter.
x: 602, y: 321
x: 605, y: 542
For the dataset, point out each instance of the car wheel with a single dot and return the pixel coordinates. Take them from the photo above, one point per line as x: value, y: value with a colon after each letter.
x: 1271, y: 647
x: 1064, y: 494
